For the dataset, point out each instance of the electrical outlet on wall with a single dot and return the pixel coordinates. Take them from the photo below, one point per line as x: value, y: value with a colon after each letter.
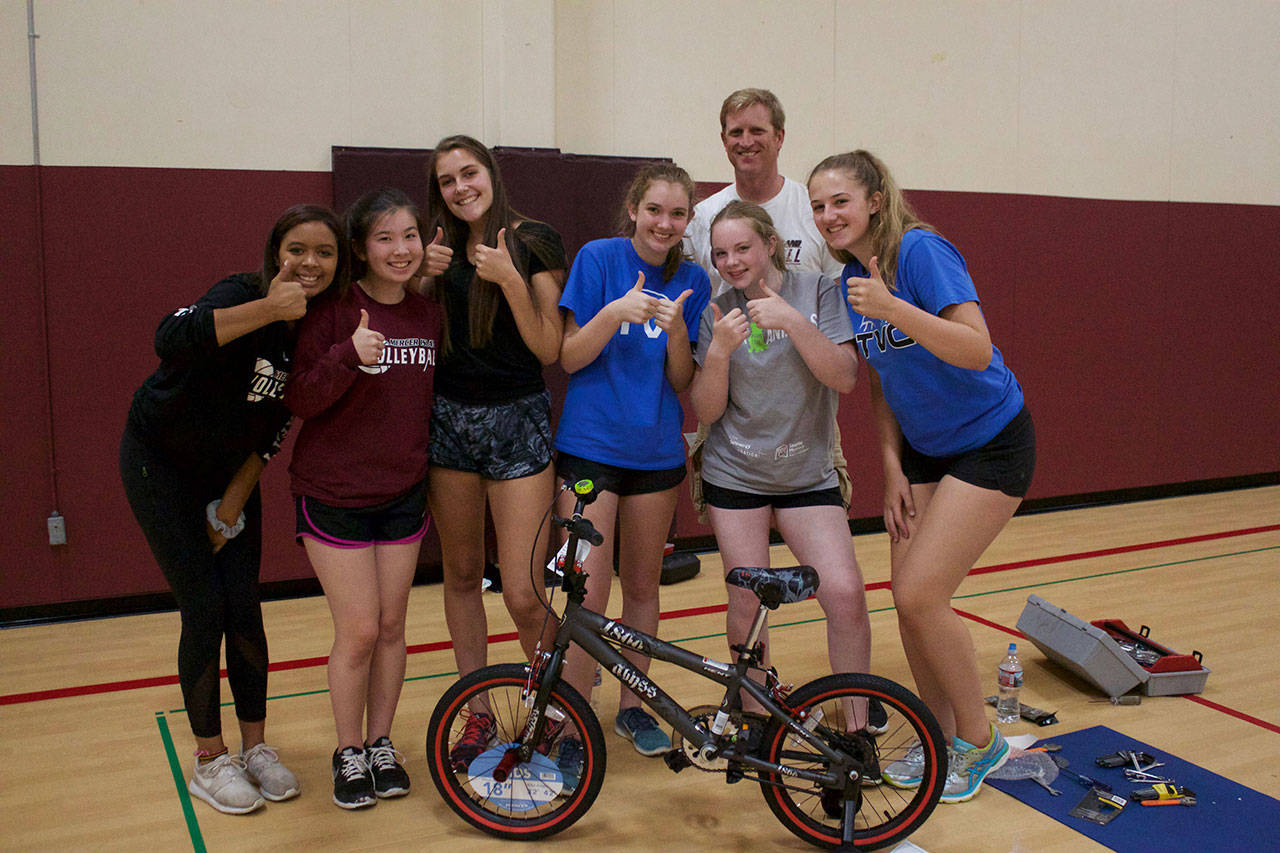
x: 57, y: 529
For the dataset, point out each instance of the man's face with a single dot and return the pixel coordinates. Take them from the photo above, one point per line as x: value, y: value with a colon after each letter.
x: 751, y: 141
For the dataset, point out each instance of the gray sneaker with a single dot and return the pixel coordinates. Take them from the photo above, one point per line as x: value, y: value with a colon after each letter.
x: 907, y: 771
x: 274, y: 780
x: 224, y: 784
x: 969, y: 765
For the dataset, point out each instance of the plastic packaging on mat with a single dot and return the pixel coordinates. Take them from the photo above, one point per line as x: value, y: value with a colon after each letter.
x: 1027, y: 765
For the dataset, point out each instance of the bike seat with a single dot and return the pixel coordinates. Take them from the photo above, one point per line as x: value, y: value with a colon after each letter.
x: 776, y: 586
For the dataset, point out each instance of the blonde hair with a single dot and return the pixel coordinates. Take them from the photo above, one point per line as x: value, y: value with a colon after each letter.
x: 743, y: 98
x: 895, y: 217
x: 646, y: 177
x: 759, y: 220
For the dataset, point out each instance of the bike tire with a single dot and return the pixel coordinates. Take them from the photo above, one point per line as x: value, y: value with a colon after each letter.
x: 885, y: 814
x: 504, y: 813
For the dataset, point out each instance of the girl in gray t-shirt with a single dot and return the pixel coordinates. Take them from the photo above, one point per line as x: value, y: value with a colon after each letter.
x: 776, y: 351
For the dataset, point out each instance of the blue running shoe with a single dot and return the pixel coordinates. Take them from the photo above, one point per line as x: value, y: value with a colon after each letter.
x: 643, y: 732
x: 970, y: 764
x: 569, y: 760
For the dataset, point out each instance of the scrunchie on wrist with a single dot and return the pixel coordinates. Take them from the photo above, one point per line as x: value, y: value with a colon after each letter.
x: 228, y: 532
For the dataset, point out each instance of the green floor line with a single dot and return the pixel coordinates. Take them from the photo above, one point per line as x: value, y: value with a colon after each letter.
x: 1120, y: 572
x: 180, y: 782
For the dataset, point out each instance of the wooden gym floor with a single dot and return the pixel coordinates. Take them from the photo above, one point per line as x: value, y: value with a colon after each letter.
x: 97, y: 750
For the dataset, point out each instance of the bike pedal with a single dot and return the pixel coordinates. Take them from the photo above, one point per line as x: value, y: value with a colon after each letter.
x: 676, y: 760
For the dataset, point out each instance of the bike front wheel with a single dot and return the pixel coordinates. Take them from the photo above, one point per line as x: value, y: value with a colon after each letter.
x: 884, y: 814
x: 535, y: 799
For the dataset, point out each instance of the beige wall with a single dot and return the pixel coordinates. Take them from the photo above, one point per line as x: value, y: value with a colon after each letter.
x: 1131, y: 99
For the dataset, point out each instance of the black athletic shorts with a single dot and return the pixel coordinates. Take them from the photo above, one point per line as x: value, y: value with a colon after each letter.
x: 498, y: 441
x: 399, y: 521
x: 1005, y: 463
x: 620, y: 481
x: 722, y: 498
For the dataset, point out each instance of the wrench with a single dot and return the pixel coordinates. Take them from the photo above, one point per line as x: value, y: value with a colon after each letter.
x: 1053, y: 792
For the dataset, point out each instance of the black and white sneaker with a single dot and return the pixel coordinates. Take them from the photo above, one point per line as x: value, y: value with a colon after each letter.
x: 877, y: 717
x: 389, y: 778
x: 352, y: 781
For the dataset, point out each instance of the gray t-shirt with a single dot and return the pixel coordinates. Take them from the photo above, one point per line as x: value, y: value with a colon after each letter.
x: 777, y: 430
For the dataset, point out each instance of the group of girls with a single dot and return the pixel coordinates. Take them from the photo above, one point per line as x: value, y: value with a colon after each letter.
x: 418, y: 376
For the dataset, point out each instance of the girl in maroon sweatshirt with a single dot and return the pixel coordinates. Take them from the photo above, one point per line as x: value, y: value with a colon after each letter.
x: 364, y: 367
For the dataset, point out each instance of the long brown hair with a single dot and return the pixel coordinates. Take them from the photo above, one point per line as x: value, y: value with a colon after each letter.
x: 482, y: 295
x: 895, y: 217
x: 649, y: 174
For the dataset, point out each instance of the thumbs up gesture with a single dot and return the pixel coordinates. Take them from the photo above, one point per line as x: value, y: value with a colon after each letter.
x: 286, y: 298
x: 636, y: 305
x: 771, y: 311
x: 669, y: 316
x: 870, y: 296
x: 368, y: 343
x: 494, y: 263
x: 438, y: 256
x: 728, y: 331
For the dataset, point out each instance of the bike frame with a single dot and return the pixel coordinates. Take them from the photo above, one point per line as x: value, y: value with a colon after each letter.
x: 597, y: 635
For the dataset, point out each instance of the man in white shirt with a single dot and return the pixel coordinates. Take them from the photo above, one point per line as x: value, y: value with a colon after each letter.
x: 752, y: 128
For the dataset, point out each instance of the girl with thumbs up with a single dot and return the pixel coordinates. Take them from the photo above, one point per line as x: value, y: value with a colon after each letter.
x: 956, y: 439
x: 631, y: 310
x: 497, y: 275
x: 365, y: 364
x: 779, y: 353
x: 200, y: 431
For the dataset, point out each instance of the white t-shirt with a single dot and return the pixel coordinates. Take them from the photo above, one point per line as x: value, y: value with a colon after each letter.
x: 791, y: 215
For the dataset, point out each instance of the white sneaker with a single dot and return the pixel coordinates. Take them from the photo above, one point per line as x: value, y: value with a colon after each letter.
x: 274, y: 780
x: 224, y: 784
x: 907, y: 771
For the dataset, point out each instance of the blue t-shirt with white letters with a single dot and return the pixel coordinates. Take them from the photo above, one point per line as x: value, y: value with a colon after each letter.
x: 943, y: 410
x: 620, y: 409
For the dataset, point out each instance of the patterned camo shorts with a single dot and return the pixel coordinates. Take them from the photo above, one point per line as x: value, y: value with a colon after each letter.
x: 502, y: 441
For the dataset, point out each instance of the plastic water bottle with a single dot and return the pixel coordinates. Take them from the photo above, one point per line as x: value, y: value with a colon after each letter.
x: 1009, y: 677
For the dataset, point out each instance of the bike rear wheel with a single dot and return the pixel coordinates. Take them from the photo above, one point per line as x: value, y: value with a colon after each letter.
x: 885, y: 815
x: 538, y: 799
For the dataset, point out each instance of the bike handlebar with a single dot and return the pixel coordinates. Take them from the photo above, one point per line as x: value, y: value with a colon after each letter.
x: 580, y: 527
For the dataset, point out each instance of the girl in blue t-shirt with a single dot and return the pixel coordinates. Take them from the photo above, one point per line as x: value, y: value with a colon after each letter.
x: 631, y: 309
x: 956, y: 440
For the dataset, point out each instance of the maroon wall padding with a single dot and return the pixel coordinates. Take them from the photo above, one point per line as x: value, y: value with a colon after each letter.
x: 1143, y: 333
x: 122, y: 248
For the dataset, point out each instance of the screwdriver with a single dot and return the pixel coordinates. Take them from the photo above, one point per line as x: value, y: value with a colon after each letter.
x: 1181, y: 801
x: 1087, y: 781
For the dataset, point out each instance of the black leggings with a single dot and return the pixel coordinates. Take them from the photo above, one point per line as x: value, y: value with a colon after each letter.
x: 217, y: 594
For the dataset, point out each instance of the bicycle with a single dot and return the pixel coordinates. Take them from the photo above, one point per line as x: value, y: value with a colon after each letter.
x: 817, y: 766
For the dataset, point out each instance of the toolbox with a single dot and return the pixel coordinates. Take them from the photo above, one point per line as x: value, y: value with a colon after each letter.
x: 1106, y: 652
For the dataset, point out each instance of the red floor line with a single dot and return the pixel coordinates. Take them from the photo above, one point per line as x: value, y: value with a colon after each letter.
x: 1232, y: 712
x: 988, y: 623
x: 1123, y: 549
x: 303, y: 663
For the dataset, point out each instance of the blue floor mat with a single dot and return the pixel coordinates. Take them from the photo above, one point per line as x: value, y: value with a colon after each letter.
x: 1227, y: 816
